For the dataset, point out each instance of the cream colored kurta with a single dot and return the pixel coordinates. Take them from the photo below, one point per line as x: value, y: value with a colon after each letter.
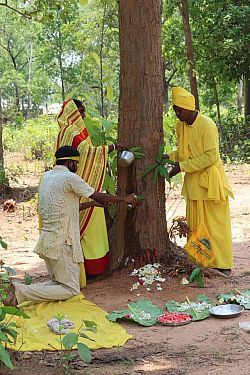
x: 59, y: 241
x: 58, y: 206
x: 205, y: 187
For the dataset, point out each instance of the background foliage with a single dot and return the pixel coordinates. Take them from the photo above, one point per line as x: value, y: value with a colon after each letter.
x: 55, y: 50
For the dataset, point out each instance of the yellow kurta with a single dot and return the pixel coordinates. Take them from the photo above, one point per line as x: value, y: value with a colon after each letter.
x: 205, y: 187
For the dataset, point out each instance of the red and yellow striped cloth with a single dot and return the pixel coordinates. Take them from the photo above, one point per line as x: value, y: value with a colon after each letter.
x: 91, y: 168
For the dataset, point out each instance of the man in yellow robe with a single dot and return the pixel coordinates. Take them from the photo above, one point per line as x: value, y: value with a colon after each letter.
x: 205, y: 187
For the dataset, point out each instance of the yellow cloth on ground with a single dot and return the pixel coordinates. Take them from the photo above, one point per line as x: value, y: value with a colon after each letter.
x: 205, y: 187
x: 35, y: 335
x: 182, y: 98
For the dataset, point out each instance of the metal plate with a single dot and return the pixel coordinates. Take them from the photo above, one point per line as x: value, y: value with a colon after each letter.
x: 175, y: 324
x: 226, y: 311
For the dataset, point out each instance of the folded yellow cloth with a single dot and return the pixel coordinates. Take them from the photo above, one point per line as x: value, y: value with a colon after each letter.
x: 34, y: 334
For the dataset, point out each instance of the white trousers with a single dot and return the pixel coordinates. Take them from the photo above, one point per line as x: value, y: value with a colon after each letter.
x: 64, y: 283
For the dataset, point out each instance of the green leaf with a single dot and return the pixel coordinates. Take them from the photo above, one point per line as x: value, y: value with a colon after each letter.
x: 70, y: 340
x: 200, y: 281
x: 137, y: 312
x: 108, y: 125
x: 96, y: 58
x: 194, y: 274
x: 90, y: 99
x: 109, y: 184
x: 140, y: 197
x: 156, y: 174
x: 14, y: 311
x: 84, y: 352
x: 168, y: 161
x: 3, y: 337
x: 11, y: 332
x: 28, y: 279
x: 90, y: 325
x: 138, y: 155
x: 160, y: 153
x: 110, y: 93
x: 117, y: 314
x: 10, y: 270
x: 230, y: 297
x: 149, y: 169
x: 5, y: 357
x: 162, y: 170
x: 2, y: 315
x: 85, y: 336
x: 135, y: 149
x: 176, y: 306
x: 3, y: 244
x: 5, y: 277
x: 84, y: 2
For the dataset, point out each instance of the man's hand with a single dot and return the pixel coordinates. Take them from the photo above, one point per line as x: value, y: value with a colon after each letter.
x: 131, y: 199
x: 85, y: 205
x: 165, y: 156
x: 175, y: 170
x: 117, y: 147
x: 97, y: 204
x: 120, y: 146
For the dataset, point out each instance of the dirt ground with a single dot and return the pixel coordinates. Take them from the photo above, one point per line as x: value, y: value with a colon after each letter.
x: 213, y: 346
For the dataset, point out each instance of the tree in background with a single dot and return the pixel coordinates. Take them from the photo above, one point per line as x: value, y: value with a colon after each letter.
x: 183, y: 6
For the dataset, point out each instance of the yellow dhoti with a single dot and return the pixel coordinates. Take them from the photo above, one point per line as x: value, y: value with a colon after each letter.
x: 216, y: 217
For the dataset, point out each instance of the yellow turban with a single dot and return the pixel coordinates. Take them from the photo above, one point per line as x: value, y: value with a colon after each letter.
x: 182, y: 98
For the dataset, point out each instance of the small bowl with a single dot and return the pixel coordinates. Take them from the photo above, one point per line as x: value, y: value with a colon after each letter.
x: 126, y: 158
x: 226, y: 311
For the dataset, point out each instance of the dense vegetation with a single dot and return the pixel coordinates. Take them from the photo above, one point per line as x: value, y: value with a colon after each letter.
x: 50, y: 51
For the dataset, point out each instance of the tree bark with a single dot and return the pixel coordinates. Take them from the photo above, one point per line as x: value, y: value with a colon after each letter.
x: 183, y: 6
x: 247, y: 94
x: 217, y: 102
x: 140, y: 124
x: 239, y: 96
x: 30, y: 61
x: 2, y: 173
x: 60, y: 52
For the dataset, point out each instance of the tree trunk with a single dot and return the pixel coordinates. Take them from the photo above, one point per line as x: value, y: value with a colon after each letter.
x: 247, y: 94
x: 140, y: 124
x: 102, y: 112
x: 190, y: 51
x: 239, y: 96
x: 217, y: 102
x: 60, y: 52
x: 2, y: 173
x: 30, y: 60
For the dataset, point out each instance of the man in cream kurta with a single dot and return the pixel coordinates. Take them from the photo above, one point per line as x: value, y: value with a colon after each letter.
x: 205, y: 187
x: 59, y: 242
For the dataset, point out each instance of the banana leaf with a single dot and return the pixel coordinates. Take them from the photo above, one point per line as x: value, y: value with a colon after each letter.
x: 142, y: 312
x: 175, y: 306
x: 230, y: 297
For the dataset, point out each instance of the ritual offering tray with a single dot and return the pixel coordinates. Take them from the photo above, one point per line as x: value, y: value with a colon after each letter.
x: 226, y: 311
x: 174, y: 319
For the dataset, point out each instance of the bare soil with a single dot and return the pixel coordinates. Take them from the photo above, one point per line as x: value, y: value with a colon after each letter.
x: 213, y: 346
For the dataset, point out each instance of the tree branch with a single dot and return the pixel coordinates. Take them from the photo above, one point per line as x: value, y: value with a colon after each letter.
x: 15, y: 10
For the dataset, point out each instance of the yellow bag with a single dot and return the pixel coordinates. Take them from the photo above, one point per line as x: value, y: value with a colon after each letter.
x: 199, y: 246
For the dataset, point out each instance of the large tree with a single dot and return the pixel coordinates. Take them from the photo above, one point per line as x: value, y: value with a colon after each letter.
x: 140, y: 124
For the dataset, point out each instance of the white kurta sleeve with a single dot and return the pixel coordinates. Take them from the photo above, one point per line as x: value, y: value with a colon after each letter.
x: 79, y: 186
